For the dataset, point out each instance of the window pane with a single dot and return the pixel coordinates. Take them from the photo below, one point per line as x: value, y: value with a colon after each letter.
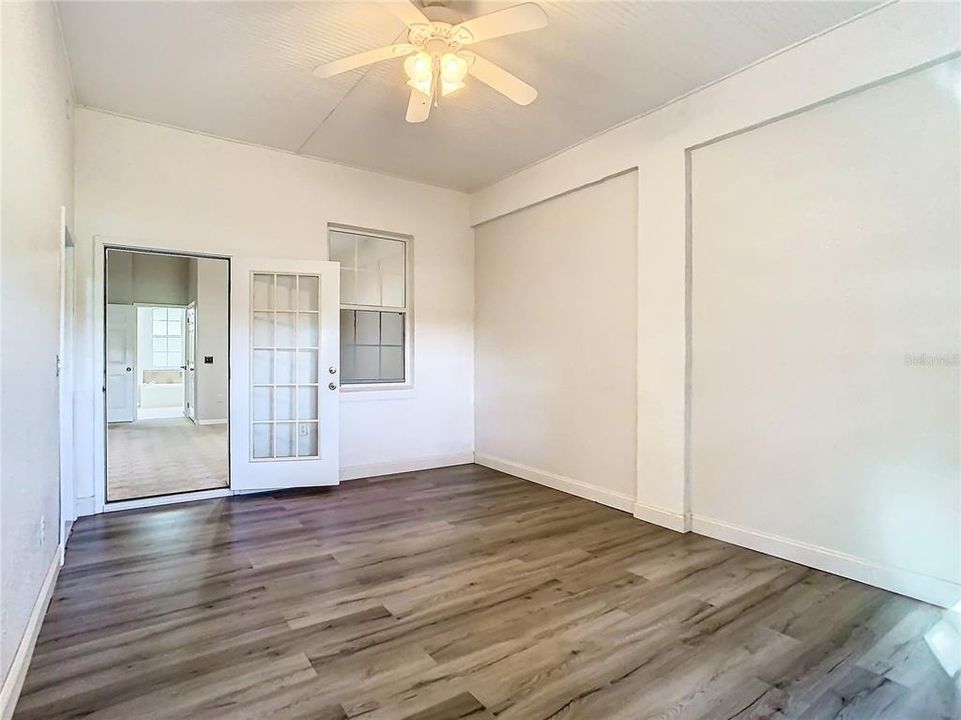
x: 263, y: 446
x: 160, y: 313
x: 285, y: 399
x: 367, y: 363
x: 285, y: 292
x: 368, y: 328
x: 284, y: 440
x: 263, y: 403
x: 160, y: 344
x: 174, y: 345
x: 285, y: 329
x: 307, y: 362
x: 159, y: 359
x: 391, y: 363
x: 159, y: 327
x: 346, y: 327
x: 286, y: 367
x: 307, y: 440
x: 263, y: 292
x: 366, y: 288
x: 342, y: 247
x: 308, y: 330
x: 263, y: 369
x: 347, y: 294
x: 391, y: 328
x: 392, y: 290
x: 263, y: 329
x: 307, y: 403
x: 347, y: 371
x: 308, y: 292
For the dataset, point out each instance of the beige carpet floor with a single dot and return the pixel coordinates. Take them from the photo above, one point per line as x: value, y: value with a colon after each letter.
x: 158, y: 457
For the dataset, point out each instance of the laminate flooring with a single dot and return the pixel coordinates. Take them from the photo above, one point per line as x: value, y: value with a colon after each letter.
x: 459, y: 593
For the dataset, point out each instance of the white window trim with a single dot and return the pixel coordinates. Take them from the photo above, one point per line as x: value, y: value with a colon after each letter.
x: 354, y: 392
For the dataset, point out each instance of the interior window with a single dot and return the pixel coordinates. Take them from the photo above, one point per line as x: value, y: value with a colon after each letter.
x: 167, y: 340
x: 374, y: 291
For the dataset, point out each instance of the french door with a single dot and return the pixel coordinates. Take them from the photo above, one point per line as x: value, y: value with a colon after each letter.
x: 285, y: 348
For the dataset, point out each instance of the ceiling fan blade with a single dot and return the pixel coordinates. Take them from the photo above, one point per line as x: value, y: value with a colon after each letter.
x: 502, y: 81
x: 418, y: 108
x: 408, y: 12
x: 360, y: 59
x: 519, y: 18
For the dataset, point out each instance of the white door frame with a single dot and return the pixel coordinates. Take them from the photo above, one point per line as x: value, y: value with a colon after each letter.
x: 100, y: 245
x: 65, y: 379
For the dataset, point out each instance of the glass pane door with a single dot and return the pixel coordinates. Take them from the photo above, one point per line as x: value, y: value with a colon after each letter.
x: 285, y: 366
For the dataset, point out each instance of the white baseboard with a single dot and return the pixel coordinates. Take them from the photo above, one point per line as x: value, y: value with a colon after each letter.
x: 85, y: 506
x: 679, y: 522
x: 13, y: 682
x: 568, y: 485
x: 221, y: 421
x: 936, y: 591
x: 355, y: 472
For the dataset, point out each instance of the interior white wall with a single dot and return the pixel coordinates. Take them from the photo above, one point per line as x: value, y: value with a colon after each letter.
x: 213, y: 300
x: 818, y: 275
x: 892, y: 40
x: 147, y: 279
x: 167, y: 188
x: 556, y: 318
x: 37, y: 179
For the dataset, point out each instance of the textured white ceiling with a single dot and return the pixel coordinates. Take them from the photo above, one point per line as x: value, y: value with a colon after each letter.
x: 242, y: 70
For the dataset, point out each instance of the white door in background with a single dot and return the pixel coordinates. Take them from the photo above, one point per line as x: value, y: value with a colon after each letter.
x: 190, y: 363
x: 285, y: 354
x: 121, y: 354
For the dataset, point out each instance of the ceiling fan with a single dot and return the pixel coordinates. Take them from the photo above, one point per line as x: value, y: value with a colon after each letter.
x: 436, y: 62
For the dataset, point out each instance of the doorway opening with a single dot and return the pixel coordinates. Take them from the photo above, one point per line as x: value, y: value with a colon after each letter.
x: 166, y: 350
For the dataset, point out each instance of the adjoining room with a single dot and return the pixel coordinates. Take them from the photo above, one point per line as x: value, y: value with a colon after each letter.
x: 166, y: 360
x: 448, y: 360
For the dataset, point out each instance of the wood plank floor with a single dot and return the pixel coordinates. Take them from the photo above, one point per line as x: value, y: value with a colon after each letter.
x: 459, y: 593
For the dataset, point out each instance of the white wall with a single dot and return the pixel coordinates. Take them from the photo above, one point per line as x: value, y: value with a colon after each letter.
x: 172, y: 188
x: 148, y: 279
x: 556, y: 320
x: 37, y: 151
x: 832, y: 261
x: 891, y: 40
x: 211, y: 381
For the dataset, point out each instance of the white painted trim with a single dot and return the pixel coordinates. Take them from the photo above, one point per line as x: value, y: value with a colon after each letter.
x: 679, y: 522
x: 219, y: 421
x: 166, y: 500
x: 944, y: 641
x: 936, y: 591
x: 13, y: 682
x: 578, y: 488
x: 356, y: 472
x: 85, y: 506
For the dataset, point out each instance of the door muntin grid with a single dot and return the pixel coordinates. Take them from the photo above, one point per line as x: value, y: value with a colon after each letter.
x: 284, y: 366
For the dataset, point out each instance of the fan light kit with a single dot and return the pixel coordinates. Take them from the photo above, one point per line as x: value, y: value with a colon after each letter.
x: 435, y: 60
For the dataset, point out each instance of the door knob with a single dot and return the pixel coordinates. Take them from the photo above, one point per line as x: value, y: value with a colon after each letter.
x: 129, y: 369
x: 332, y: 386
x: 332, y: 370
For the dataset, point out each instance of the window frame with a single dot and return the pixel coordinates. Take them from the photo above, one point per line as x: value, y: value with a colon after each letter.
x: 391, y: 388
